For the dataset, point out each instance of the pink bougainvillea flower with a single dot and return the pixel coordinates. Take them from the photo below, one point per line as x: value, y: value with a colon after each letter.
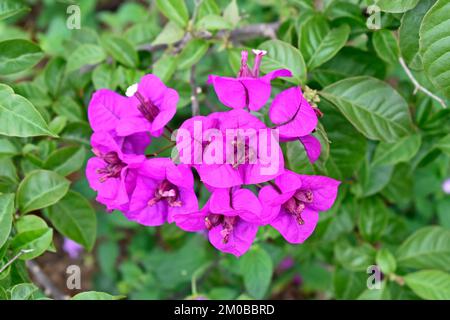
x: 241, y: 161
x: 148, y: 107
x: 162, y: 190
x: 249, y: 89
x: 294, y: 202
x: 295, y: 119
x: 231, y: 216
x: 112, y: 172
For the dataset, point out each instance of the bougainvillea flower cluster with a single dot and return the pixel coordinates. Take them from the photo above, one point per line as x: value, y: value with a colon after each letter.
x: 237, y: 156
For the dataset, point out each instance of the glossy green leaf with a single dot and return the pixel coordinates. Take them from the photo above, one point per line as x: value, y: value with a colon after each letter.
x: 396, y: 6
x: 213, y: 22
x: 95, y: 295
x: 174, y: 10
x: 121, y: 50
x: 400, y: 151
x: 192, y: 53
x: 18, y: 117
x: 23, y: 291
x: 434, y: 45
x: 6, y: 216
x: 17, y: 55
x: 256, y: 268
x: 409, y: 33
x: 427, y: 248
x: 430, y: 284
x: 231, y: 13
x: 386, y: 46
x: 165, y: 67
x: 33, y: 237
x: 75, y: 218
x: 354, y: 258
x: 372, y: 106
x: 104, y: 77
x: 9, y: 8
x: 84, y: 55
x: 54, y: 75
x: 67, y: 160
x: 281, y: 55
x: 170, y: 34
x: 319, y: 43
x: 386, y: 261
x: 40, y: 189
x: 373, y: 217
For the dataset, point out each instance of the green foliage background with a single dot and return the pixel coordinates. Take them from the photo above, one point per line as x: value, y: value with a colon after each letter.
x: 385, y: 137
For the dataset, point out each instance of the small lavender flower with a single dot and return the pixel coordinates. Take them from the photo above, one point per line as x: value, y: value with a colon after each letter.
x: 446, y: 186
x: 72, y: 248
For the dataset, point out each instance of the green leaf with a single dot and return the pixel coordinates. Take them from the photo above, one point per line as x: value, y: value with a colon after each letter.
x: 348, y: 285
x: 165, y: 67
x: 6, y: 216
x: 318, y: 43
x: 67, y: 107
x: 386, y: 46
x: 409, y: 33
x: 434, y: 45
x: 354, y: 258
x: 430, y: 284
x: 17, y: 55
x: 54, y: 74
x: 372, y: 106
x: 372, y: 179
x: 85, y: 54
x: 7, y: 148
x: 444, y: 144
x: 104, y: 77
x: 169, y: 35
x: 66, y: 160
x: 9, y: 8
x: 231, y: 13
x: 58, y: 124
x: 427, y: 248
x: 386, y: 261
x: 192, y: 53
x: 396, y: 6
x: 382, y: 293
x: 213, y: 22
x: 347, y: 147
x: 23, y: 291
x: 75, y: 218
x: 400, y: 151
x: 349, y: 62
x: 373, y: 216
x: 33, y: 235
x: 174, y: 10
x: 95, y: 295
x: 40, y: 189
x: 281, y: 55
x: 18, y: 117
x: 256, y: 268
x: 121, y: 50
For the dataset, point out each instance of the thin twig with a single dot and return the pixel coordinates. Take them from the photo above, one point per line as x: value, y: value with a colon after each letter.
x: 194, y: 93
x: 17, y: 256
x: 418, y: 87
x: 155, y: 154
x: 41, y: 278
x: 244, y: 33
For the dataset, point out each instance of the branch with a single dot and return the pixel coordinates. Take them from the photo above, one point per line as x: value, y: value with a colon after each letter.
x: 41, y: 278
x: 245, y: 33
x: 417, y: 85
x: 17, y: 256
x: 194, y: 92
